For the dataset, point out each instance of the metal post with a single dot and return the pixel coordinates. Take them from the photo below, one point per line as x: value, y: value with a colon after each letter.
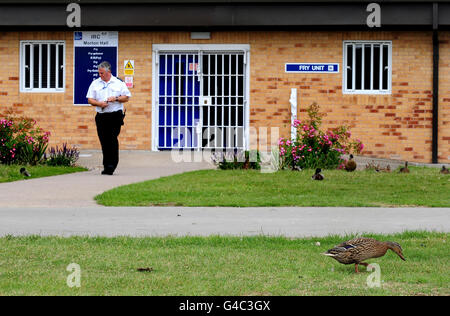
x: 293, y: 101
x: 435, y: 147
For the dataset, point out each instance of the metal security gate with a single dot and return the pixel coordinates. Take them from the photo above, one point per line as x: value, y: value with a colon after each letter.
x: 178, y: 106
x: 201, y: 101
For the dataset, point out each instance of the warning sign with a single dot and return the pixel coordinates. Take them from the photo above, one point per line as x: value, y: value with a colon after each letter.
x: 128, y: 67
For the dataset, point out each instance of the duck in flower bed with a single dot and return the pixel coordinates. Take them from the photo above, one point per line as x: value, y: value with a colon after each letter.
x: 62, y: 156
x: 314, y: 148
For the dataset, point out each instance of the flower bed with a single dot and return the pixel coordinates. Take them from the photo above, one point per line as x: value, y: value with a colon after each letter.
x: 314, y: 148
x: 22, y: 142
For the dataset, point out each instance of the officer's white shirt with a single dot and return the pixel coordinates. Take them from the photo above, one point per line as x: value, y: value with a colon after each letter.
x: 101, y: 91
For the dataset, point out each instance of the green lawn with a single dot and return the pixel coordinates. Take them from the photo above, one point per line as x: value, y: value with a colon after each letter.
x: 244, y: 188
x: 11, y: 173
x: 217, y: 266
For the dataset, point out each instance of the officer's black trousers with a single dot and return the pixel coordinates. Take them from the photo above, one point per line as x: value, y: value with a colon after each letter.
x: 108, y: 130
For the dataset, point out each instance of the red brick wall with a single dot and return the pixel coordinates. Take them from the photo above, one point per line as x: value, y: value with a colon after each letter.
x: 391, y: 126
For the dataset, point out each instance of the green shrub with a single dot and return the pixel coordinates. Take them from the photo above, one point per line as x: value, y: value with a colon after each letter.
x: 314, y: 148
x: 22, y: 142
x: 8, y: 145
x: 64, y: 156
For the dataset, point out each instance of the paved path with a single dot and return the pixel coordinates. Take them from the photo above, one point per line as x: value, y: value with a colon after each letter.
x: 64, y: 205
x: 184, y: 221
x: 79, y: 189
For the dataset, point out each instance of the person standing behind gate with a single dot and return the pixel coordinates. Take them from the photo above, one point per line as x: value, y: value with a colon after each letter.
x: 108, y: 93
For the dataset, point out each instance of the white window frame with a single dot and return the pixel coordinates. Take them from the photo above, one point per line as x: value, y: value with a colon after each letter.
x: 22, y: 67
x: 371, y: 90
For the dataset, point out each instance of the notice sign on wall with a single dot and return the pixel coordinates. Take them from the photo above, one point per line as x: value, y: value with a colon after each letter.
x: 128, y: 67
x: 312, y: 68
x: 129, y: 81
x: 90, y: 49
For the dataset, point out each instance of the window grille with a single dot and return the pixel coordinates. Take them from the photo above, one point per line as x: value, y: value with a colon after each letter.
x: 42, y: 66
x: 368, y: 67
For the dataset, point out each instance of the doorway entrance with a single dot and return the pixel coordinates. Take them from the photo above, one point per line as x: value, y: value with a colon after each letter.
x: 200, y: 97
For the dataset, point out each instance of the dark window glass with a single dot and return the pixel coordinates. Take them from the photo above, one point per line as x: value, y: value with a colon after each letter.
x: 367, y: 63
x: 27, y: 65
x: 241, y: 116
x: 36, y: 58
x: 376, y: 67
x: 44, y: 63
x: 349, y: 67
x: 53, y: 67
x: 358, y: 67
x: 241, y: 64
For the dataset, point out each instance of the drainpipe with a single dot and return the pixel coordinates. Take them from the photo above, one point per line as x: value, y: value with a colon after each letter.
x: 434, y: 146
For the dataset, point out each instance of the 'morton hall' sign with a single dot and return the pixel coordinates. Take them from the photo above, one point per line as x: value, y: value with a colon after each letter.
x: 90, y: 49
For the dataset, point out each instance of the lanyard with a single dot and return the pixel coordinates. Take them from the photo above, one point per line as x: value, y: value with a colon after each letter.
x: 105, y: 84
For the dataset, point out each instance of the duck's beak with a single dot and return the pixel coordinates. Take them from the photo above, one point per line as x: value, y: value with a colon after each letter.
x: 401, y: 256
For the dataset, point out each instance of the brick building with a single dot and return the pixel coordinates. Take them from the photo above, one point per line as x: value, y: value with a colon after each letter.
x: 213, y: 68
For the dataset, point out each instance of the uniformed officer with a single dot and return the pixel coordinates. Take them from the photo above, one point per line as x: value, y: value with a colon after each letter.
x: 108, y: 93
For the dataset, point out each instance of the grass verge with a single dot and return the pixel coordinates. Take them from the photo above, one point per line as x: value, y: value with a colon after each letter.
x: 11, y: 173
x: 217, y: 266
x: 246, y: 188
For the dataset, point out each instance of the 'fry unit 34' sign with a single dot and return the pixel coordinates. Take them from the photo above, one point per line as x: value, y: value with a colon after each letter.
x: 312, y: 68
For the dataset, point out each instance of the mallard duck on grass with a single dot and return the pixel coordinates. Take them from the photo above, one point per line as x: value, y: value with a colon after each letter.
x: 357, y: 250
x: 24, y: 172
x: 405, y: 168
x: 317, y: 175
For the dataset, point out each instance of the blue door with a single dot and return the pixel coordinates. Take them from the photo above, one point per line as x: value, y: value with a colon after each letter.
x: 179, y: 93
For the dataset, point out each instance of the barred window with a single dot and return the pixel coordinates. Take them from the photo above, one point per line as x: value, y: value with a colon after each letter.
x: 368, y: 67
x: 42, y: 66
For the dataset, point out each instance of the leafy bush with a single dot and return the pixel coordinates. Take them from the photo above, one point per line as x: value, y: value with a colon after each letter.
x: 32, y: 149
x: 314, y: 148
x: 8, y: 145
x: 64, y: 156
x: 21, y: 141
x: 237, y: 159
